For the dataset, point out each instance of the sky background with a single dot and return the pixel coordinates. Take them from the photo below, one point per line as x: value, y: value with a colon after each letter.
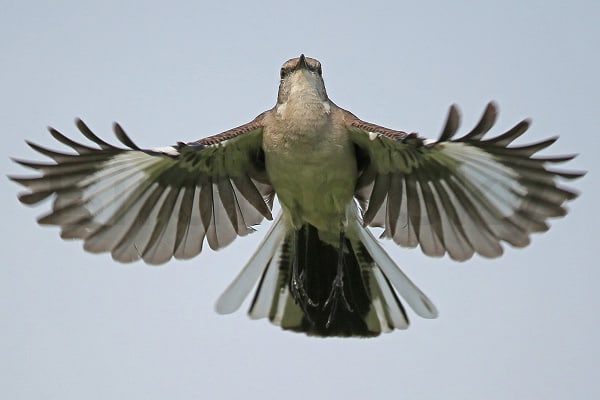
x: 81, y: 326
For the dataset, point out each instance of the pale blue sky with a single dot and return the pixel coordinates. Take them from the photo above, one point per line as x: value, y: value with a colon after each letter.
x: 80, y: 326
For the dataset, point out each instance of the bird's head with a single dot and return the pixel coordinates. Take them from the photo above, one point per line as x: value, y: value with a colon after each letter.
x: 301, y: 76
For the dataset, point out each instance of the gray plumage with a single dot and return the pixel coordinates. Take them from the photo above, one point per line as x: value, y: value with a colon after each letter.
x: 319, y: 268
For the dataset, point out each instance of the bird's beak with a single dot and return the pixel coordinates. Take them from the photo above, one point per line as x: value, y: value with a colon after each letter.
x: 302, y: 63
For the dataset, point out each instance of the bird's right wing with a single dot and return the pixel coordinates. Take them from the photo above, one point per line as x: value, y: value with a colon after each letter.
x: 153, y: 203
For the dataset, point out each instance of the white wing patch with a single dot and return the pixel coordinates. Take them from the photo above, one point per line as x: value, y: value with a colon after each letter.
x: 169, y: 150
x: 496, y: 182
x: 103, y: 191
x: 373, y: 135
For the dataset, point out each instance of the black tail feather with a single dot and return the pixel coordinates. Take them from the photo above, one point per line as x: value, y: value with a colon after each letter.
x: 318, y: 262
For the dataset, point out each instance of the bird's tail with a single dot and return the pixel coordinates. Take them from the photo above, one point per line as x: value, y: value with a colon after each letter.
x: 371, y: 280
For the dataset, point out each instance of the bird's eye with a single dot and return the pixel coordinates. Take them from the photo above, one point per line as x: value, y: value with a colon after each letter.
x: 284, y: 72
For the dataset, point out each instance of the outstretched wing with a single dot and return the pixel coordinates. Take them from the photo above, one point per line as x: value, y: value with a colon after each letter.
x: 153, y: 204
x: 457, y: 195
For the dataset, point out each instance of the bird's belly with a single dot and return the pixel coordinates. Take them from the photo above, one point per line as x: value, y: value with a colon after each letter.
x: 315, y: 185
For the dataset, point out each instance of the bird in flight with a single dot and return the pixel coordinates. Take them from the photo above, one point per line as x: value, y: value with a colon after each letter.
x: 319, y: 270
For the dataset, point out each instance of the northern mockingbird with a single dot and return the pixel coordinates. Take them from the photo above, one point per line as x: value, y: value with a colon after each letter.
x: 319, y: 269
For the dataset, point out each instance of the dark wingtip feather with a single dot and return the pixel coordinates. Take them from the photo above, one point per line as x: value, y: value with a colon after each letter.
x: 22, y: 180
x: 33, y: 145
x: 451, y: 126
x: 48, y: 153
x: 33, y: 198
x: 123, y: 138
x: 570, y: 175
x: 29, y: 164
x: 531, y: 149
x: 487, y: 120
x: 87, y: 132
x: 78, y: 147
x: 509, y: 136
x: 14, y: 178
x: 557, y: 159
x: 570, y: 194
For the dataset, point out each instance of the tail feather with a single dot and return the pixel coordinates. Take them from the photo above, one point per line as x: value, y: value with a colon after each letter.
x: 370, y: 281
x: 318, y: 260
x: 233, y: 297
x: 416, y: 299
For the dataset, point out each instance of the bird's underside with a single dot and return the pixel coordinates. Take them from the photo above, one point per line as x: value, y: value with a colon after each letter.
x: 319, y: 269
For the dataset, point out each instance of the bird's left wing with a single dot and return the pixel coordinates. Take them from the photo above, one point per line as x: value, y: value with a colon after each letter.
x: 153, y: 203
x: 457, y: 195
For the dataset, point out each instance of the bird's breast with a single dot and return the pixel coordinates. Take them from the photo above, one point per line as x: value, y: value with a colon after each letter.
x: 312, y: 166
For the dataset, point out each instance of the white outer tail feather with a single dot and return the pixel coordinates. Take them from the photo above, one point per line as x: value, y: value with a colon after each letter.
x: 414, y: 297
x: 235, y: 294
